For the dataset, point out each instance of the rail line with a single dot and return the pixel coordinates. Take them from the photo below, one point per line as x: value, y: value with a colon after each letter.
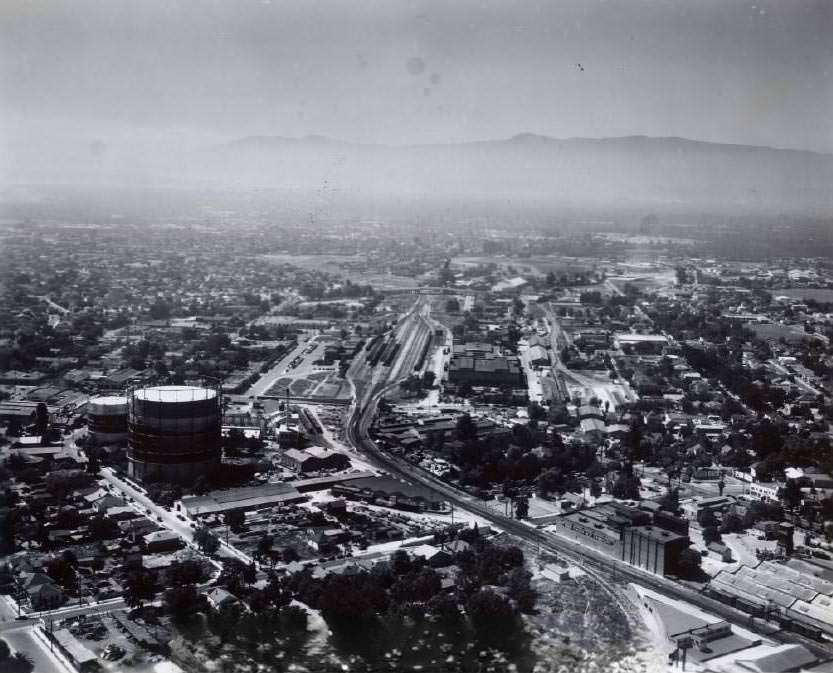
x: 603, y: 568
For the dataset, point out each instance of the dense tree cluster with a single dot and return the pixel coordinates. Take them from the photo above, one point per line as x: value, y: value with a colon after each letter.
x: 353, y: 603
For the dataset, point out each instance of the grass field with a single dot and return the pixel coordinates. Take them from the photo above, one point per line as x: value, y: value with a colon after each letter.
x: 823, y: 294
x: 348, y: 266
x: 316, y: 384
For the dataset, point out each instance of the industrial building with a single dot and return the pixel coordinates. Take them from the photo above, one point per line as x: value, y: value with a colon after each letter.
x: 313, y: 459
x: 494, y: 370
x: 641, y: 343
x: 389, y: 492
x: 799, y: 593
x: 107, y: 420
x: 652, y: 548
x: 246, y: 499
x: 628, y: 534
x: 173, y: 433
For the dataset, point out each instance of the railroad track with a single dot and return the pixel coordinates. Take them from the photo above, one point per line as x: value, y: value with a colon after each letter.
x: 603, y: 568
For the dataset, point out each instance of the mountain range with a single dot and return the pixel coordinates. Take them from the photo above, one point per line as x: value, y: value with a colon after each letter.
x: 674, y: 173
x: 632, y: 169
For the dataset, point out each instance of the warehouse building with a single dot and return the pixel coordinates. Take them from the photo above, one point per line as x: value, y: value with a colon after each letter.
x: 313, y: 459
x: 626, y: 533
x: 477, y: 367
x: 245, y: 499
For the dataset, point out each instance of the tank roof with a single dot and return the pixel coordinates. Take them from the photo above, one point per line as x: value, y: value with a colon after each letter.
x: 106, y: 401
x: 175, y: 394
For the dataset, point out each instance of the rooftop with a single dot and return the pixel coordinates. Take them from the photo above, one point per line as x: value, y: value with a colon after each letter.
x: 175, y: 394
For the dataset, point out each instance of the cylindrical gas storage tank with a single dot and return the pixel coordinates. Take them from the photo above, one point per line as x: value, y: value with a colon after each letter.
x: 107, y: 420
x: 173, y: 433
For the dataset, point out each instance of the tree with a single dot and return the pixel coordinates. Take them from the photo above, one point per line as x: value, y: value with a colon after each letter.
x: 160, y: 310
x: 5, y: 652
x: 688, y: 565
x: 19, y: 662
x: 93, y: 464
x: 466, y: 428
x: 521, y: 507
x: 41, y: 418
x: 444, y: 607
x: 295, y: 617
x: 400, y: 562
x: 626, y: 486
x: 711, y: 534
x: 446, y: 274
x: 536, y: 412
x: 550, y: 481
x: 182, y: 602
x: 670, y: 502
x: 518, y: 583
x: 452, y: 305
x: 289, y: 554
x: 14, y: 429
x: 140, y: 587
x: 707, y: 518
x: 250, y: 573
x: 60, y: 569
x: 791, y: 495
x: 201, y: 485
x: 264, y: 545
x: 103, y: 528
x: 491, y: 615
x: 732, y: 523
x: 351, y: 600
x: 234, y: 519
x: 206, y: 540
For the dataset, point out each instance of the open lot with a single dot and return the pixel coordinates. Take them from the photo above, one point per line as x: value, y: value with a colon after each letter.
x: 823, y: 294
x: 354, y: 267
x: 299, y: 373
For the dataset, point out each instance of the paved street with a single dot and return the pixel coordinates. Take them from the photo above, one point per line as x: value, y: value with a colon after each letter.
x: 168, y: 519
x: 267, y: 380
x: 533, y: 376
x: 22, y: 639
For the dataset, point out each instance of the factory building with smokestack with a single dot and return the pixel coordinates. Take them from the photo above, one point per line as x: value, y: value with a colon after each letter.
x: 173, y: 433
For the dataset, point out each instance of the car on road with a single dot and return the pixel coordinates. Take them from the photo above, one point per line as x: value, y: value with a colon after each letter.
x: 113, y: 652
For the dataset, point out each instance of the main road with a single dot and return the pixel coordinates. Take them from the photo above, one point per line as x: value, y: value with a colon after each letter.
x: 603, y: 566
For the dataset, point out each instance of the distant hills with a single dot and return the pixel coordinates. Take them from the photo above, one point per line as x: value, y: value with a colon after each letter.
x: 632, y: 169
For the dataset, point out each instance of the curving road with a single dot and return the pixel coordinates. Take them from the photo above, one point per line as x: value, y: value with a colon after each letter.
x: 603, y: 567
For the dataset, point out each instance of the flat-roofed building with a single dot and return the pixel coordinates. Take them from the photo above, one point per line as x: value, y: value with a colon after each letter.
x: 593, y: 528
x: 240, y: 499
x: 641, y: 343
x: 652, y: 548
x: 81, y: 657
x: 313, y: 459
x: 487, y: 370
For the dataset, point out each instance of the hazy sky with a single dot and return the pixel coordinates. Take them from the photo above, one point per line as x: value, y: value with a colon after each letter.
x: 417, y: 72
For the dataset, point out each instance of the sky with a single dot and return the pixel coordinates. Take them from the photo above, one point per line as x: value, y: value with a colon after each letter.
x: 191, y: 73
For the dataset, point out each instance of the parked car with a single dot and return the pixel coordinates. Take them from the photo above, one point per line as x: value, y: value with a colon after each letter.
x: 113, y: 652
